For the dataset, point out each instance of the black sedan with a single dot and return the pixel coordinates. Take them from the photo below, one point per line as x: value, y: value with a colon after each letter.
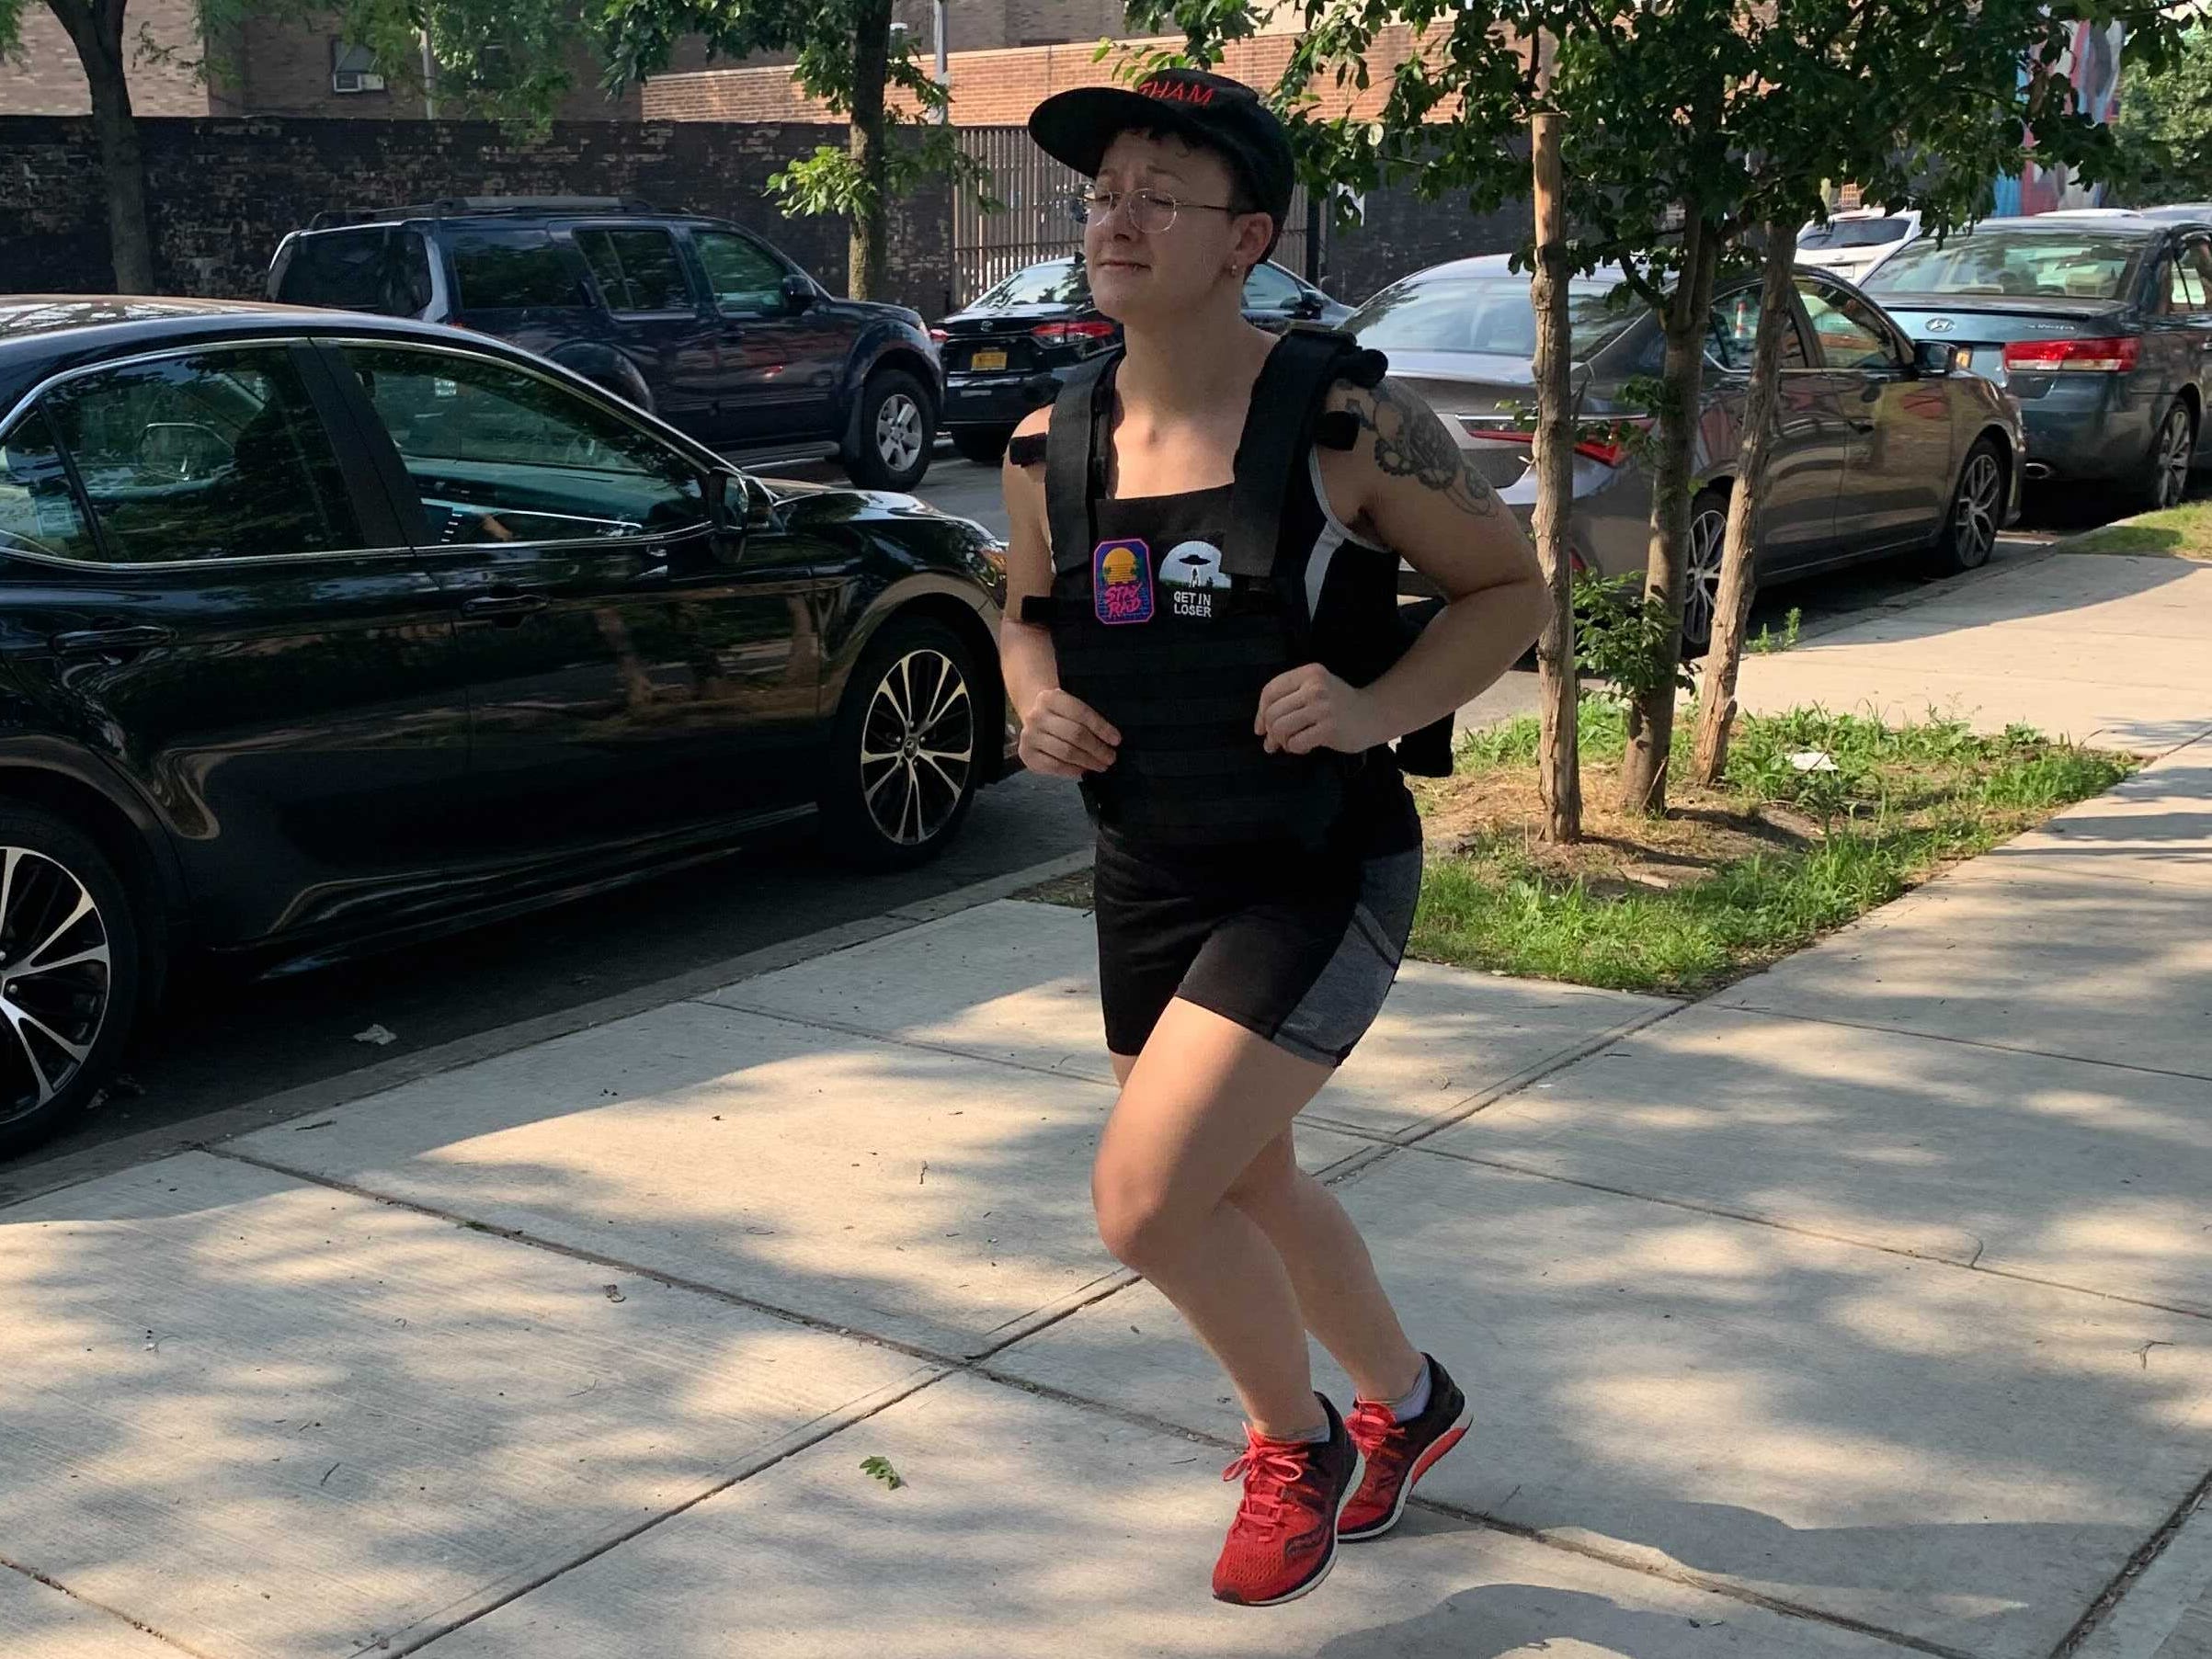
x: 1004, y: 354
x: 322, y: 632
x: 2100, y: 325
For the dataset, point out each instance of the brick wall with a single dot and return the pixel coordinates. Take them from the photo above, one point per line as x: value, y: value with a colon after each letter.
x: 50, y: 80
x: 282, y: 67
x: 223, y: 192
x: 1000, y: 88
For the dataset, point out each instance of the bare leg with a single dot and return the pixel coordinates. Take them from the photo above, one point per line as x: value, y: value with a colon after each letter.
x: 1342, y: 1302
x: 1198, y: 1107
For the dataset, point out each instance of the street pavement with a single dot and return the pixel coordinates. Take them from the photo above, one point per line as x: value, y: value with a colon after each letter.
x: 1860, y: 1310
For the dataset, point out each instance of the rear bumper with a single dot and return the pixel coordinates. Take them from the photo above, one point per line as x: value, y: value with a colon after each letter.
x: 997, y: 400
x: 2086, y: 444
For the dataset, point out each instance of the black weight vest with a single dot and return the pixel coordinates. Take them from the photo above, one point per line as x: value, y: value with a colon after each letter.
x: 1190, y: 770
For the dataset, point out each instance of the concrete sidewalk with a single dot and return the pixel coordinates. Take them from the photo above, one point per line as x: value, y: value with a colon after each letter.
x: 1862, y: 1310
x: 2111, y: 651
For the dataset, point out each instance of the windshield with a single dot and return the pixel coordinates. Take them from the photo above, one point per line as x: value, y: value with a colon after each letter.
x: 1853, y: 233
x: 1485, y: 314
x: 386, y: 269
x: 1056, y: 282
x: 2086, y: 264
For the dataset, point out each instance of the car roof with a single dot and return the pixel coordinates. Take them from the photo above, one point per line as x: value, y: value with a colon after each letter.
x: 2117, y: 221
x: 42, y: 334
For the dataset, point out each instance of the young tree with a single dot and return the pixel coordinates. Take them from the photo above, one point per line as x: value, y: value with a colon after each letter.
x: 1558, y: 680
x: 2164, y: 127
x: 849, y: 57
x: 490, y: 56
x: 1924, y: 106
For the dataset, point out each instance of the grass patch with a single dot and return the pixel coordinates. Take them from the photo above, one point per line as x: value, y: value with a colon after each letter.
x: 2181, y: 532
x: 1790, y: 848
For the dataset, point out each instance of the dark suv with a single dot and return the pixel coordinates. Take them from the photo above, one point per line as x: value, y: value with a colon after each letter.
x: 695, y: 319
x: 322, y: 632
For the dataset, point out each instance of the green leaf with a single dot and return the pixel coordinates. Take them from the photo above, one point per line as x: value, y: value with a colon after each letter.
x: 880, y: 1469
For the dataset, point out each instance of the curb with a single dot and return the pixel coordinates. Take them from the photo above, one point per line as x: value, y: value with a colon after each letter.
x: 347, y: 1088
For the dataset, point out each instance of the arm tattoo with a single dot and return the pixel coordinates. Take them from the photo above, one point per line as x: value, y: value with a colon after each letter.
x: 1411, y: 441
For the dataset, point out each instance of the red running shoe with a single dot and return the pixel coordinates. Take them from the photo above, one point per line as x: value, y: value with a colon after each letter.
x: 1284, y: 1541
x: 1399, y: 1454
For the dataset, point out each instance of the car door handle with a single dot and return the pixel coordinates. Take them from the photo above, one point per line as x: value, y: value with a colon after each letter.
x: 111, y: 641
x: 1862, y: 426
x: 507, y: 609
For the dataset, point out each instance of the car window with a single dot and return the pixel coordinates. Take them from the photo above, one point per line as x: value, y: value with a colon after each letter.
x: 1055, y: 282
x: 1483, y: 314
x: 499, y: 454
x: 1267, y: 289
x: 745, y: 277
x: 503, y: 270
x: 384, y: 268
x: 2046, y: 264
x: 38, y: 511
x: 213, y: 454
x: 1846, y: 330
x: 1853, y: 233
x: 637, y: 270
x: 2195, y: 275
x: 1734, y: 335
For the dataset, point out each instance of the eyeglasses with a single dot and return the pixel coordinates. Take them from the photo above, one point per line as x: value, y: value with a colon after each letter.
x: 1148, y: 212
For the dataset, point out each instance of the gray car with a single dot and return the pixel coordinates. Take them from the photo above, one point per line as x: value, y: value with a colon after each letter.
x: 1884, y: 448
x: 2100, y: 325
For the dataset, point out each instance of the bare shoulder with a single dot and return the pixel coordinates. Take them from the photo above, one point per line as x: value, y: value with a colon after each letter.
x: 1036, y: 422
x: 1404, y: 444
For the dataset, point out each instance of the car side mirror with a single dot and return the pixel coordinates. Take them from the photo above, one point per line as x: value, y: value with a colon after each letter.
x: 727, y: 502
x: 1306, y: 305
x: 1934, y: 359
x: 798, y: 293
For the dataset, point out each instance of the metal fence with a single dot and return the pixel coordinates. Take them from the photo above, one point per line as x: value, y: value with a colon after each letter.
x: 1032, y: 220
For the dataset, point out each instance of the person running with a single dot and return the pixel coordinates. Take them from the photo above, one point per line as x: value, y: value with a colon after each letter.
x: 1203, y: 626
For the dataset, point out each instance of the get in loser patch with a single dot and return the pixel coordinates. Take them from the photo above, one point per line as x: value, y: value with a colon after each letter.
x: 1121, y: 581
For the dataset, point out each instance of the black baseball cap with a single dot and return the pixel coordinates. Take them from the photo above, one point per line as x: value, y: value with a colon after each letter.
x: 1210, y: 110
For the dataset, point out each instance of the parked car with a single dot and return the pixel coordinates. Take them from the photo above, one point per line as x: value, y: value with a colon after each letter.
x: 2182, y: 212
x: 324, y: 633
x: 1007, y: 353
x: 696, y: 319
x: 1883, y: 448
x: 1855, y: 244
x: 2100, y: 326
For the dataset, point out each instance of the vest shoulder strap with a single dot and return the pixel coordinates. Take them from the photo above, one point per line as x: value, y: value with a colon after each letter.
x: 1072, y: 484
x: 1293, y: 381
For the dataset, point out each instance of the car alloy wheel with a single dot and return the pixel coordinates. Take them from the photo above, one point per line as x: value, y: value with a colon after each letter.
x: 1974, y: 514
x: 918, y: 747
x: 898, y: 431
x: 1700, y: 590
x: 2169, y: 482
x: 55, y: 979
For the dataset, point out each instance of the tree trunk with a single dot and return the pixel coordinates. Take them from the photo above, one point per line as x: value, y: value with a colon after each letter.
x: 1559, y: 775
x: 871, y: 45
x: 96, y: 29
x: 1739, y: 576
x: 1651, y: 708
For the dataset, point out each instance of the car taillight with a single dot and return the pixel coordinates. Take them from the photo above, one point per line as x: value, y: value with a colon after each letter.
x: 2054, y: 356
x: 1606, y: 451
x: 1065, y: 334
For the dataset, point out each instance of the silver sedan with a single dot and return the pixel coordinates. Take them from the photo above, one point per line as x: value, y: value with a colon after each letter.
x: 1884, y: 447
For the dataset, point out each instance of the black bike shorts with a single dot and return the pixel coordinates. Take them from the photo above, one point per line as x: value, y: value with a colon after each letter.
x: 1299, y: 949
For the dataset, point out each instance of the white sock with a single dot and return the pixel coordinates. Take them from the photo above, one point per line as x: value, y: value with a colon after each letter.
x: 1416, y: 1402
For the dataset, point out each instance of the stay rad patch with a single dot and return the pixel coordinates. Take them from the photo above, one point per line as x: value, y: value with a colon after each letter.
x: 1121, y: 581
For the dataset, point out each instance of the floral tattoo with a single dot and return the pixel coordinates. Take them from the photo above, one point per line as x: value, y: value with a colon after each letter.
x: 1411, y: 441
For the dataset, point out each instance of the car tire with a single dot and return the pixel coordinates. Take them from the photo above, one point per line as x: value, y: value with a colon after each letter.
x: 986, y: 446
x: 72, y: 977
x: 1708, y: 536
x: 906, y: 750
x: 1975, y: 515
x: 890, y: 447
x: 2165, y: 481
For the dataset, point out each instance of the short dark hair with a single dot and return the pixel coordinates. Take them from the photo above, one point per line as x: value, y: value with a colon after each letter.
x: 1243, y: 199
